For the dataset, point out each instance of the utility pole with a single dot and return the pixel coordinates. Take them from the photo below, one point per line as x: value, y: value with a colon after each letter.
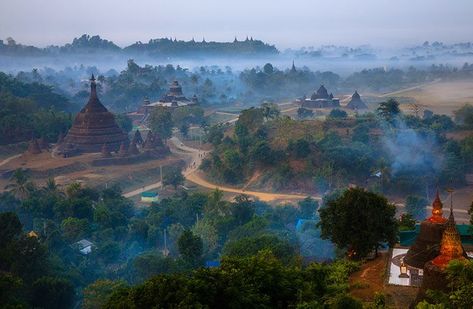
x: 161, y: 174
x: 165, y: 250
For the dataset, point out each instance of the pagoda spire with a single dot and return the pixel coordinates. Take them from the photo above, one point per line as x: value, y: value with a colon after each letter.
x: 451, y: 246
x: 437, y: 211
x: 93, y: 87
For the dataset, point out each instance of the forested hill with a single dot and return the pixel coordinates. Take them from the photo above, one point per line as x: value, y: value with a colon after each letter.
x: 155, y: 47
x: 30, y: 108
x: 40, y: 95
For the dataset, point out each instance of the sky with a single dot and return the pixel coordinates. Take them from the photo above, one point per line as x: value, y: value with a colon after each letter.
x: 286, y: 24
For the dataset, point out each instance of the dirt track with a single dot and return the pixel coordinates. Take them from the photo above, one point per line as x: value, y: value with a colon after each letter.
x: 191, y: 174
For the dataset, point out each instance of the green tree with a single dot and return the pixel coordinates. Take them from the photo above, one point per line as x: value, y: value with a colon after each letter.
x: 124, y: 122
x: 464, y: 116
x: 270, y: 111
x: 190, y: 247
x: 303, y: 113
x: 359, y: 221
x: 215, y: 135
x: 21, y: 185
x: 307, y: 207
x: 337, y: 114
x: 160, y: 122
x: 389, y: 110
x: 97, y: 294
x: 268, y: 69
x: 416, y: 206
x: 74, y: 229
x: 49, y: 292
x: 249, y: 246
x: 150, y: 264
x: 172, y: 175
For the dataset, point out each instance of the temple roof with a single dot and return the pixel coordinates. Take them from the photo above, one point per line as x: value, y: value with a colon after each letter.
x: 322, y: 92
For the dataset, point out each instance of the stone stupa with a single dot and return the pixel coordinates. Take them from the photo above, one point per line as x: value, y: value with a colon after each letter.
x: 450, y: 249
x: 93, y: 127
x: 426, y: 246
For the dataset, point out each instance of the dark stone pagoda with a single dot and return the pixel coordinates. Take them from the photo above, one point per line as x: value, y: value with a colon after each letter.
x: 356, y: 103
x: 93, y: 127
x: 427, y: 244
x: 450, y: 249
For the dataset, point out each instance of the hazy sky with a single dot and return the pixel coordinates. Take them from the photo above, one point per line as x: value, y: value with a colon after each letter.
x: 292, y: 23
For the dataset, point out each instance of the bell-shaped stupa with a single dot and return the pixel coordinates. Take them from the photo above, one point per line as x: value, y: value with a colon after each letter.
x: 94, y: 126
x: 426, y: 246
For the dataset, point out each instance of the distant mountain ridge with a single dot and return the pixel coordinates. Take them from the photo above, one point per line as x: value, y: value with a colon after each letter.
x: 87, y: 44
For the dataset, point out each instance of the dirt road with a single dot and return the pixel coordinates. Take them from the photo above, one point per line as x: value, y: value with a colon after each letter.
x: 191, y: 174
x: 3, y: 162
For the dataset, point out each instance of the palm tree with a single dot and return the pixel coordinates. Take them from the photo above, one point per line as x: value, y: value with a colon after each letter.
x: 51, y: 187
x: 73, y: 189
x: 21, y: 185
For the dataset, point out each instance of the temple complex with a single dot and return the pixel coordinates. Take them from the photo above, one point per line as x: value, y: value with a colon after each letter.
x: 93, y: 127
x: 356, y: 103
x: 426, y: 246
x: 451, y: 248
x: 172, y: 99
x: 321, y: 99
x: 437, y: 243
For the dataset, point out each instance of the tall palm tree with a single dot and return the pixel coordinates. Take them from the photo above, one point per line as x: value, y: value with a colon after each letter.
x: 51, y: 187
x: 21, y: 185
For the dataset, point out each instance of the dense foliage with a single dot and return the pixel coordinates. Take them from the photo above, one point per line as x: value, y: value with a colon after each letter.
x: 28, y: 109
x: 259, y: 281
x: 178, y: 234
x: 359, y: 222
x: 387, y: 152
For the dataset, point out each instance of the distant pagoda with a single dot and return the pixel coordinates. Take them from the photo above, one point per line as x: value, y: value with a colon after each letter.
x: 356, y: 102
x: 93, y: 127
x: 426, y: 246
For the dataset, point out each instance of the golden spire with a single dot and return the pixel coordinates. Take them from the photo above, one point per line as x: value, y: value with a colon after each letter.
x: 451, y: 246
x: 437, y: 210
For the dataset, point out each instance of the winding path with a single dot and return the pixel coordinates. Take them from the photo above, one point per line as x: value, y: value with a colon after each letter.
x: 191, y: 174
x: 9, y: 159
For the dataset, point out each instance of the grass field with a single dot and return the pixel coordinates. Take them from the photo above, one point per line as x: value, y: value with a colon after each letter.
x: 442, y: 97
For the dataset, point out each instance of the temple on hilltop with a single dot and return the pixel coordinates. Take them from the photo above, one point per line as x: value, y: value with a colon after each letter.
x: 356, y: 103
x: 426, y: 246
x: 172, y: 99
x: 321, y: 99
x: 451, y: 248
x: 93, y: 127
x: 439, y: 241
